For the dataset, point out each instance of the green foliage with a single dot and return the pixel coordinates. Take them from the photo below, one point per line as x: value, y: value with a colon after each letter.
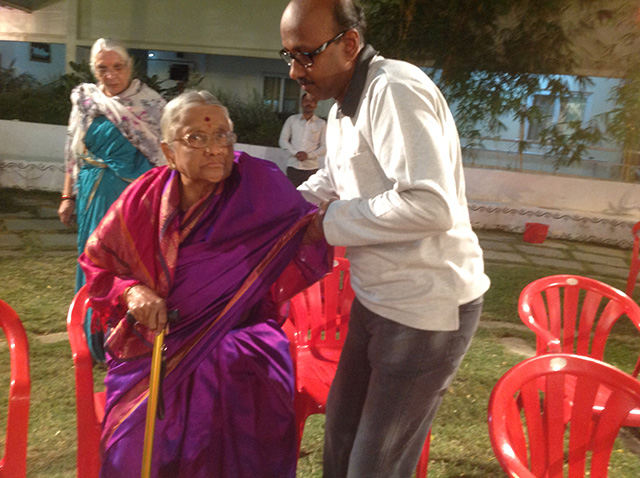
x: 154, y: 82
x: 11, y: 81
x: 27, y: 100
x: 253, y: 121
x: 624, y: 120
x: 623, y: 123
x: 493, y: 56
x: 24, y: 99
x: 568, y: 147
x: 463, y: 36
x: 81, y: 74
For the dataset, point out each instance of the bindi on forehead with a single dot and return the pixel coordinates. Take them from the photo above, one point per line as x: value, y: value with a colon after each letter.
x: 206, y: 118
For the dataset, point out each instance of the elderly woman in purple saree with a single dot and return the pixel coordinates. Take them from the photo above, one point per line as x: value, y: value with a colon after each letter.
x: 224, y: 258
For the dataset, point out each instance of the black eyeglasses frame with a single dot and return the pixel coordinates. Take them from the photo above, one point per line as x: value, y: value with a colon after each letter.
x: 289, y: 56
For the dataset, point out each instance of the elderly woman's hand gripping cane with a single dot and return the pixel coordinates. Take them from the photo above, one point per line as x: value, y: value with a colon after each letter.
x: 151, y: 309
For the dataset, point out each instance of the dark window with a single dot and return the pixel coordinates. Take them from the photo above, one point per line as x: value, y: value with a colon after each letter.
x: 179, y: 72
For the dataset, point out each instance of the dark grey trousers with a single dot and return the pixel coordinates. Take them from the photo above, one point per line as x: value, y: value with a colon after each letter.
x: 390, y: 382
x: 299, y: 176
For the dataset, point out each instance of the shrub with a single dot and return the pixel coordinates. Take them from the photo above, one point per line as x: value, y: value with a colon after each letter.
x: 254, y: 122
x: 23, y: 98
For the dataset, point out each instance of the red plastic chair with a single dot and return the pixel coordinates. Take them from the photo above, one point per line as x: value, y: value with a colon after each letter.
x: 634, y: 267
x: 574, y: 314
x: 14, y: 461
x: 317, y: 327
x: 89, y: 404
x: 527, y: 412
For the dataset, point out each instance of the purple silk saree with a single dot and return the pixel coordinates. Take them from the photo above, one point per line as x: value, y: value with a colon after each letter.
x: 229, y: 382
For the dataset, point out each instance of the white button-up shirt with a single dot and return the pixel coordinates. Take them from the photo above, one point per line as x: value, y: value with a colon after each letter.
x: 299, y: 134
x: 394, y: 169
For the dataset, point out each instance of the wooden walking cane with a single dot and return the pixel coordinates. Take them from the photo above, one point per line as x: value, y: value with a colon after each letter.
x: 152, y: 404
x: 155, y: 392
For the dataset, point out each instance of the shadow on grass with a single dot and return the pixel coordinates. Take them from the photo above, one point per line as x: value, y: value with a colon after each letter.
x: 18, y: 200
x: 463, y: 467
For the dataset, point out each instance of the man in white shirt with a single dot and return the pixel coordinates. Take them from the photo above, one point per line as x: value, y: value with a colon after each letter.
x: 392, y: 191
x: 303, y: 137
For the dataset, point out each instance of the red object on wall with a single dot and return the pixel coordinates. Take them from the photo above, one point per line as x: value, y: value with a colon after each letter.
x: 535, y: 232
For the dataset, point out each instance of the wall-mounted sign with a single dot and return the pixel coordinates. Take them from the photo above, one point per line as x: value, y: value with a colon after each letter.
x: 41, y: 52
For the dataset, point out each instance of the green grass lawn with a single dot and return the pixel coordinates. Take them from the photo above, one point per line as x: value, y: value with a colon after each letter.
x: 39, y: 287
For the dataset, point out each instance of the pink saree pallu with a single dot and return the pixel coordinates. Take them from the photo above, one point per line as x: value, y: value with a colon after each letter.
x: 228, y: 387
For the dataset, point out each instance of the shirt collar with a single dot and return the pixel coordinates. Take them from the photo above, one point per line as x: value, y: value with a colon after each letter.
x: 358, y: 79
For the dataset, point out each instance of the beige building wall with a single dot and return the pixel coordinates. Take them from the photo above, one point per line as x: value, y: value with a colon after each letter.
x: 48, y: 24
x: 243, y: 35
x: 226, y: 27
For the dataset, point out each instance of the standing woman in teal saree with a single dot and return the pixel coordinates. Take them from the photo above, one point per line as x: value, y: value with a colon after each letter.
x: 112, y: 139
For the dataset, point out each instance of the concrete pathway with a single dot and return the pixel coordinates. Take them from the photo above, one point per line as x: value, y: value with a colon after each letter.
x: 36, y: 228
x: 591, y: 260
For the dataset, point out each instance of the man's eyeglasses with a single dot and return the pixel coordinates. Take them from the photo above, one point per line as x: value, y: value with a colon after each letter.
x: 306, y: 58
x: 199, y: 140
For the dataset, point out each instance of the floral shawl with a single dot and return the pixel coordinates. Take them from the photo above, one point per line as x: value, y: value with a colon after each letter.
x: 135, y: 112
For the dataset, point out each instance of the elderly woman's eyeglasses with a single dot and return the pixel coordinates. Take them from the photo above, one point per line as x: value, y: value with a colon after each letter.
x: 199, y: 140
x: 103, y: 70
x: 306, y: 58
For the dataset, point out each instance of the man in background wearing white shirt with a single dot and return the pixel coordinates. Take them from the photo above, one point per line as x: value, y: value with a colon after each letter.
x: 303, y: 137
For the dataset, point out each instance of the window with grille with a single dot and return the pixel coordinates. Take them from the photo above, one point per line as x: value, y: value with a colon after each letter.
x: 557, y: 111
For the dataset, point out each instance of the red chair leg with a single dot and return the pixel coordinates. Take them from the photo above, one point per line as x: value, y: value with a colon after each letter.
x: 423, y: 463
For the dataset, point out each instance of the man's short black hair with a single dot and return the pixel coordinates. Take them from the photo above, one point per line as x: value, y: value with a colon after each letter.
x: 348, y: 13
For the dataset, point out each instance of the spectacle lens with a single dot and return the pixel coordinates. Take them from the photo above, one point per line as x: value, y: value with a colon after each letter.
x: 199, y: 140
x: 306, y: 58
x: 117, y: 68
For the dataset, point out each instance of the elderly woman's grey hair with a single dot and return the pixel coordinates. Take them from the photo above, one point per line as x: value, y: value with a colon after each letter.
x: 108, y: 44
x: 171, y: 120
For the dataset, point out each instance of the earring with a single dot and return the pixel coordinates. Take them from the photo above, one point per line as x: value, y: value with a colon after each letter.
x: 171, y: 166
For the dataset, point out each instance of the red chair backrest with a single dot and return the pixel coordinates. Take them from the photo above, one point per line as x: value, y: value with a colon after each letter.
x: 527, y: 413
x: 89, y: 405
x: 321, y: 312
x: 574, y: 314
x: 634, y: 266
x: 319, y: 321
x: 339, y: 251
x: 14, y: 461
